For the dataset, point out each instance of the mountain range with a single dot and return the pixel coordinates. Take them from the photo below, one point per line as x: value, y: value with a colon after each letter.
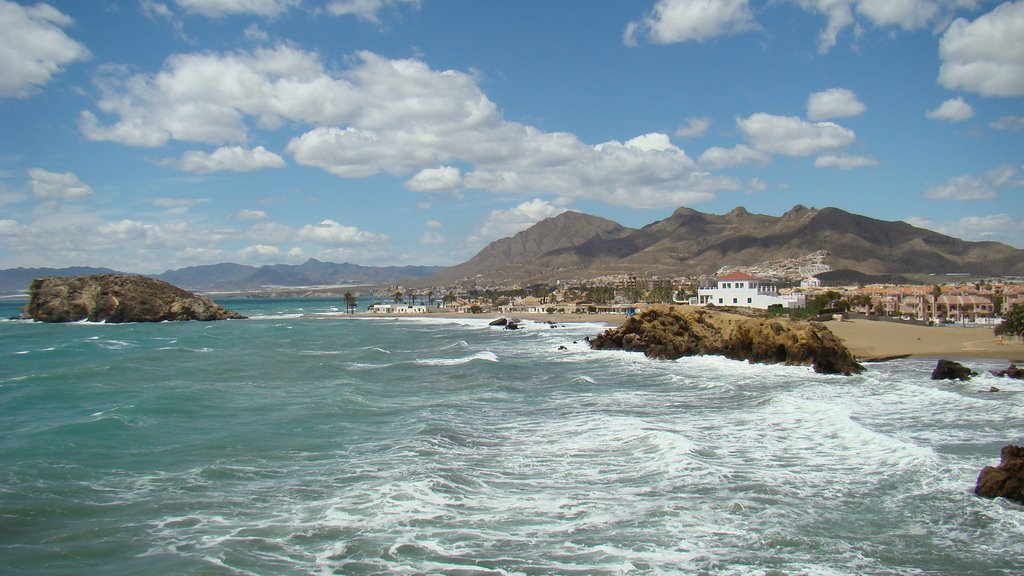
x: 575, y: 245
x: 236, y: 277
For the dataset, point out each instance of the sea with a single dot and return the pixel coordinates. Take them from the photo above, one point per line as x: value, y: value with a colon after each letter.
x: 304, y: 442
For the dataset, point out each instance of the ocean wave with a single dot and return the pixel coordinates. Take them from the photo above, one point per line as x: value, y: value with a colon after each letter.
x: 485, y: 355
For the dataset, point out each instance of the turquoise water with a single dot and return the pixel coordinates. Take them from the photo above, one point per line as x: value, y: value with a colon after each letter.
x: 302, y: 442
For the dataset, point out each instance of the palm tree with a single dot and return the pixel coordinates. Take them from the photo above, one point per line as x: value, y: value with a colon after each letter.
x: 449, y: 299
x: 430, y: 297
x: 350, y: 302
x: 398, y: 297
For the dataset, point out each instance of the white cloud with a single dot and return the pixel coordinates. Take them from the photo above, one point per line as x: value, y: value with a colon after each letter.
x: 259, y: 252
x: 251, y: 215
x: 904, y: 14
x: 719, y: 157
x: 971, y: 187
x: 844, y: 161
x: 996, y: 227
x: 672, y: 21
x: 364, y: 9
x: 207, y: 98
x: 33, y: 47
x: 52, y: 186
x: 178, y: 206
x: 220, y: 8
x: 433, y: 235
x: 152, y: 10
x: 985, y: 56
x: 254, y: 33
x: 389, y: 116
x: 952, y: 110
x: 229, y: 159
x: 505, y: 223
x: 694, y: 127
x: 435, y: 179
x: 907, y: 14
x: 331, y: 233
x: 964, y: 187
x: 834, y: 103
x: 1011, y: 123
x: 791, y: 136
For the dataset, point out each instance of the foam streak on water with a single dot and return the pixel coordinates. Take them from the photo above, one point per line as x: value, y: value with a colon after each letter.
x: 303, y: 444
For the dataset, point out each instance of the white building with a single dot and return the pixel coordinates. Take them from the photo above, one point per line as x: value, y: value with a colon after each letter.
x: 396, y: 309
x: 739, y: 289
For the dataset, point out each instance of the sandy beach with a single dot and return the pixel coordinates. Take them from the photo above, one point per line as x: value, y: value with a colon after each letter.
x: 869, y: 339
x: 866, y: 339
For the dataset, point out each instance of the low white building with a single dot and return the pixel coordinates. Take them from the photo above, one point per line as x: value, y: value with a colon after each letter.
x: 396, y: 309
x: 739, y: 289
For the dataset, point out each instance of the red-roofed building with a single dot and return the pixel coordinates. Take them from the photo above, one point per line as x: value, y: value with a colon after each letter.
x: 740, y: 289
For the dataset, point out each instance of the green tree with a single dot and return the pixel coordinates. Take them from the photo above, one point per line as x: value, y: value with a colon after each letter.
x: 430, y: 298
x: 398, y: 298
x: 661, y: 294
x: 1013, y: 323
x: 448, y: 299
x: 350, y: 302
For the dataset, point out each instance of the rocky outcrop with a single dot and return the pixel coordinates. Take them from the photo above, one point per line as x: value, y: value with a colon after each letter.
x: 1005, y: 480
x: 1011, y: 372
x: 673, y: 332
x: 950, y: 370
x: 117, y: 298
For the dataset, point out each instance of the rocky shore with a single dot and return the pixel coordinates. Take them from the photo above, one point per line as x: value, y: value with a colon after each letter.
x: 670, y: 332
x: 117, y: 298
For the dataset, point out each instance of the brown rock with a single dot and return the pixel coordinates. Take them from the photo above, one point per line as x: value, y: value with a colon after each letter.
x: 1011, y: 372
x: 671, y: 332
x: 950, y: 370
x: 1005, y: 480
x: 117, y: 298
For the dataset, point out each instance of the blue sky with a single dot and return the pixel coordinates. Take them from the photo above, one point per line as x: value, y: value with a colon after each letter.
x: 148, y: 135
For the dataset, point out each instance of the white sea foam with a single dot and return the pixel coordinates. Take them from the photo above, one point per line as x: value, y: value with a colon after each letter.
x: 485, y: 355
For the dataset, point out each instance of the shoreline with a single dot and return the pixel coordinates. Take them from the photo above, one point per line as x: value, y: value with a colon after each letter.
x: 867, y: 340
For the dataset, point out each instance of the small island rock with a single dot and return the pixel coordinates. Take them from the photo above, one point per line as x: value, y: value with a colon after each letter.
x: 117, y: 298
x: 1005, y: 480
x: 950, y: 370
x: 670, y: 332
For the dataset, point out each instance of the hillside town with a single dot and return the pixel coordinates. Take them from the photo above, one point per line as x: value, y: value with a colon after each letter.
x: 788, y: 287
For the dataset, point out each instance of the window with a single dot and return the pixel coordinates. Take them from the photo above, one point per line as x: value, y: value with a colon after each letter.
x: 719, y: 300
x: 734, y: 300
x: 750, y: 300
x: 739, y: 284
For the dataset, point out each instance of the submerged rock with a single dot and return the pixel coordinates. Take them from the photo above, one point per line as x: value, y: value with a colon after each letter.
x: 498, y: 322
x: 950, y: 370
x: 117, y: 298
x: 1005, y: 480
x: 670, y: 332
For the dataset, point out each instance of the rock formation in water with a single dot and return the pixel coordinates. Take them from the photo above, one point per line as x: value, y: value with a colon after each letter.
x: 950, y: 370
x: 117, y: 298
x: 672, y: 332
x: 1012, y: 371
x: 1005, y: 480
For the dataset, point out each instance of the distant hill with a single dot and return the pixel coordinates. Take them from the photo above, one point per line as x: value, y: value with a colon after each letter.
x: 312, y: 272
x: 574, y: 245
x: 232, y: 277
x: 15, y: 280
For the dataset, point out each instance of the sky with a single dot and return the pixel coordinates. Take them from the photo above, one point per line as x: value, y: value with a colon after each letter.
x: 147, y: 135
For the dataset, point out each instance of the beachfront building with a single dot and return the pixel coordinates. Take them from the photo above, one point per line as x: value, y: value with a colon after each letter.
x: 740, y: 289
x: 396, y: 309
